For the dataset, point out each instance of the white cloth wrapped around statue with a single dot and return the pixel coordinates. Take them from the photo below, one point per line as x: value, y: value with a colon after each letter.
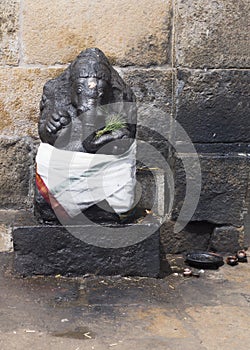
x: 78, y: 180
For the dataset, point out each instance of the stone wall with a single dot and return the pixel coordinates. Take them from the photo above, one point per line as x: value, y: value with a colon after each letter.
x: 190, y: 59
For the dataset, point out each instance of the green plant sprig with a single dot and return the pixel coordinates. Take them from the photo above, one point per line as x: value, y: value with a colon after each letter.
x: 114, y: 122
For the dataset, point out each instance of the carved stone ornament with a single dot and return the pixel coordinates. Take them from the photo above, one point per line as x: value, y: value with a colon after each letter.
x: 87, y: 122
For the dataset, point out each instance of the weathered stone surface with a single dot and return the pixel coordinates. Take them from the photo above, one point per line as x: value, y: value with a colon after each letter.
x: 152, y: 87
x: 152, y: 154
x: 152, y: 174
x: 5, y: 238
x: 17, y: 217
x: 127, y: 32
x: 195, y: 236
x: 51, y: 250
x: 150, y: 190
x: 214, y: 106
x: 9, y: 14
x: 15, y: 169
x: 153, y: 91
x: 221, y: 148
x: 20, y: 94
x: 224, y: 188
x: 212, y: 33
x: 227, y: 239
x: 247, y: 222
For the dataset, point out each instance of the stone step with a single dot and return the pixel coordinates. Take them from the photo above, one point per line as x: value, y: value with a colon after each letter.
x: 132, y: 250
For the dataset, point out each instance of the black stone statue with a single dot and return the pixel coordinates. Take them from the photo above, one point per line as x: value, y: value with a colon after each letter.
x: 76, y: 107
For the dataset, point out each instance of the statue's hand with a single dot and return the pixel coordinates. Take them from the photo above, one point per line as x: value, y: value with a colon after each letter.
x: 92, y: 144
x: 57, y: 121
x: 114, y: 135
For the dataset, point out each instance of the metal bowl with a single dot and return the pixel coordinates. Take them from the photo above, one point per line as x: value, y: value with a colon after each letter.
x: 204, y: 260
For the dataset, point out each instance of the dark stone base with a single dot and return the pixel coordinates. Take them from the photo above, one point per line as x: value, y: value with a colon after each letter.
x: 202, y: 235
x: 52, y: 250
x: 227, y: 239
x: 224, y: 187
x: 195, y: 236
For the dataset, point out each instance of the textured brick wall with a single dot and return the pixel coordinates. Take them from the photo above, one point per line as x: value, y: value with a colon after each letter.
x: 190, y: 58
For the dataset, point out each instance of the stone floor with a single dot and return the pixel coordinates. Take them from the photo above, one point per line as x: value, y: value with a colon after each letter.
x: 211, y: 312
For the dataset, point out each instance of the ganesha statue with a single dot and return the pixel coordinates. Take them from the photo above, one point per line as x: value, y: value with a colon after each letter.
x: 86, y: 164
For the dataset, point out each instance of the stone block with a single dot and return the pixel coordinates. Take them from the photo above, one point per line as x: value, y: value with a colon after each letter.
x: 9, y: 16
x: 5, y: 238
x: 213, y: 107
x: 224, y: 185
x: 227, y: 239
x: 153, y: 175
x: 247, y: 222
x: 222, y: 148
x: 16, y: 160
x: 127, y: 32
x: 150, y: 190
x: 195, y: 236
x: 152, y: 154
x: 152, y: 87
x: 212, y: 34
x: 153, y: 91
x: 20, y: 94
x: 52, y: 250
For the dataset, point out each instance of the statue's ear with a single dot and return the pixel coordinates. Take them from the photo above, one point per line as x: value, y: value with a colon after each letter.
x: 116, y: 81
x: 121, y: 90
x: 48, y: 95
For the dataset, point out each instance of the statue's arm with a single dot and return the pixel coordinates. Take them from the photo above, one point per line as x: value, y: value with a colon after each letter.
x: 51, y: 122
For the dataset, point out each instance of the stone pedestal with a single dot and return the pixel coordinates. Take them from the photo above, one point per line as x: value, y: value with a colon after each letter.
x: 132, y: 250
